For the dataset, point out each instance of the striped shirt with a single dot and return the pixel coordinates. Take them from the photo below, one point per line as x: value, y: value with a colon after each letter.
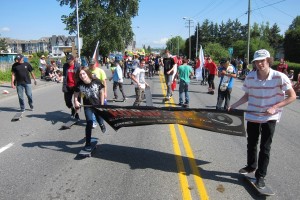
x: 263, y: 94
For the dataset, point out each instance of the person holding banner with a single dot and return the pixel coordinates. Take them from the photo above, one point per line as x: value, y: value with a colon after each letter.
x: 92, y: 91
x: 265, y: 91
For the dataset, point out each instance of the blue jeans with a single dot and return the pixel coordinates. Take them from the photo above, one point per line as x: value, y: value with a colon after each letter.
x: 168, y: 80
x: 28, y: 92
x: 184, y: 88
x: 89, y: 113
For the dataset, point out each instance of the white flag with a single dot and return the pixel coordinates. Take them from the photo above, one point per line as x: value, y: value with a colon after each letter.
x: 202, y: 61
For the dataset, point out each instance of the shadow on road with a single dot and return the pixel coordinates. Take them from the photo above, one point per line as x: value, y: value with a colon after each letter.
x: 63, y: 146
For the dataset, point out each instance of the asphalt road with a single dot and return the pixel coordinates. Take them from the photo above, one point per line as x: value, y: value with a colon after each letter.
x: 39, y: 161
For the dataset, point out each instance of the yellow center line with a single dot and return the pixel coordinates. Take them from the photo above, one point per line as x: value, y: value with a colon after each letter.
x: 179, y: 162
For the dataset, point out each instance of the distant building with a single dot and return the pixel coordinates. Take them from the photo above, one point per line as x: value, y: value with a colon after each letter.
x: 55, y: 45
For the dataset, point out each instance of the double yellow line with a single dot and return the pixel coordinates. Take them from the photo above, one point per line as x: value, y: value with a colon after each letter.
x: 185, y: 188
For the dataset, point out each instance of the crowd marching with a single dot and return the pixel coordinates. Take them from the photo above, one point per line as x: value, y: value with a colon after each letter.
x: 88, y: 85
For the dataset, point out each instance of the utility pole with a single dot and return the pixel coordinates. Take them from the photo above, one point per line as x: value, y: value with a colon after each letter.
x: 197, y: 40
x: 78, y: 41
x: 177, y: 45
x: 249, y: 28
x: 189, y: 20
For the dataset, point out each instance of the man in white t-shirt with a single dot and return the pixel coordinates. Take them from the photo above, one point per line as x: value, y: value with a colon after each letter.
x: 138, y: 77
x: 265, y: 91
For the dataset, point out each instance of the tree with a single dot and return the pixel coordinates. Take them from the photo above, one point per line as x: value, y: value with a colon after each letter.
x: 295, y: 24
x: 292, y: 41
x: 108, y: 22
x: 216, y: 51
x: 3, y: 45
x: 173, y: 44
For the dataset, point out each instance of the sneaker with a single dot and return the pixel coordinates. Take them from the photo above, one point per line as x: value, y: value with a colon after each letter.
x: 260, y: 182
x: 114, y: 99
x: 88, y: 147
x: 31, y: 108
x: 247, y: 170
x: 103, y: 128
x: 180, y: 104
x: 22, y: 110
x: 124, y: 100
x: 77, y: 116
x: 94, y: 125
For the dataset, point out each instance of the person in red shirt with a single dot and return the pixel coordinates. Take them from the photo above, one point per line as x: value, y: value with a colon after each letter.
x: 69, y: 70
x: 282, y: 66
x: 212, y: 68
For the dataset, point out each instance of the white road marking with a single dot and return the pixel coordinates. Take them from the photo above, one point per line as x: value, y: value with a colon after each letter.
x: 6, y: 147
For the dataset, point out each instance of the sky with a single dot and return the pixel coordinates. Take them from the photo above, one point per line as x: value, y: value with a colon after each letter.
x: 157, y: 20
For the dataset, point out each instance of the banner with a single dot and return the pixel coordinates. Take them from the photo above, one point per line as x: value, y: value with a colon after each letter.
x: 230, y: 123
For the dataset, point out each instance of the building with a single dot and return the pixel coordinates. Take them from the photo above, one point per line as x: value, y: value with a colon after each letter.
x: 55, y: 45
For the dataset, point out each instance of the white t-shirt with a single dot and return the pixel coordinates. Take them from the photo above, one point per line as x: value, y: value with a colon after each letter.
x: 139, y: 74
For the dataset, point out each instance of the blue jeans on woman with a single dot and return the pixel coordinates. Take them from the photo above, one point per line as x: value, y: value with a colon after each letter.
x: 28, y: 92
x: 184, y: 88
x: 89, y: 112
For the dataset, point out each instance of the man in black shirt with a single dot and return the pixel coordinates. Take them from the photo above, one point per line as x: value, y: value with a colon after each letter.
x: 168, y: 64
x: 20, y: 79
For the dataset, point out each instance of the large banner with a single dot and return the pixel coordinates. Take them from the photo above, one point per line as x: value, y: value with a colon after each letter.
x: 231, y: 123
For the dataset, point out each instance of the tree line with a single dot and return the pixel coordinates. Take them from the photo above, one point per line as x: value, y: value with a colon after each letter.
x: 217, y: 38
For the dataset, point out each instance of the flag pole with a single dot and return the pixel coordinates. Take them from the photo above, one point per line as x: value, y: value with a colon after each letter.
x: 78, y: 42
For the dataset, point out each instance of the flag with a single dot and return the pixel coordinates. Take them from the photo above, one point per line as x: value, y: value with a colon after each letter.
x: 96, y: 55
x: 229, y: 123
x: 202, y: 61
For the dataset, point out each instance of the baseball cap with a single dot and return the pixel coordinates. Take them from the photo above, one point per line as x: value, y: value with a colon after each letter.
x: 261, y: 54
x: 19, y: 57
x: 70, y: 57
x: 223, y: 60
x: 92, y: 61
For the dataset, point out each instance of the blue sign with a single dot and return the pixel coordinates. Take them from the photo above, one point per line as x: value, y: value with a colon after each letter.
x: 230, y: 50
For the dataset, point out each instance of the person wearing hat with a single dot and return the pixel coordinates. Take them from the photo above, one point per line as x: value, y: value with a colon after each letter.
x: 69, y: 70
x: 227, y: 73
x: 42, y: 66
x: 265, y: 91
x: 20, y: 79
x: 118, y: 80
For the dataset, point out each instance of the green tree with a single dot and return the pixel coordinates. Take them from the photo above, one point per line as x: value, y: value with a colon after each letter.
x: 173, y: 43
x: 216, y: 51
x: 292, y: 41
x: 275, y: 39
x: 3, y: 45
x: 108, y: 22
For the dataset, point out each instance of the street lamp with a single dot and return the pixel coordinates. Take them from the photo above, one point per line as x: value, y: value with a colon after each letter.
x: 189, y: 20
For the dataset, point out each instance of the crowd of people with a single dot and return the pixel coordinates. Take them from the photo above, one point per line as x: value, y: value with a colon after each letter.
x: 267, y: 91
